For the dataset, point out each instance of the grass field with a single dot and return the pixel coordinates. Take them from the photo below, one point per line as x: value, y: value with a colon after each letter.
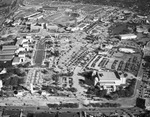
x: 90, y: 8
x: 39, y: 54
x: 76, y: 7
x: 62, y: 19
x: 61, y: 3
x: 54, y: 16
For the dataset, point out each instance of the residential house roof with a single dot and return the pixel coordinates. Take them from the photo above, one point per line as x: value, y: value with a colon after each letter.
x: 19, y: 41
x: 16, y: 60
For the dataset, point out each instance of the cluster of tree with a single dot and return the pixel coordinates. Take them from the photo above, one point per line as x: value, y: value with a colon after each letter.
x: 64, y: 105
x: 119, y: 28
x: 21, y: 2
x: 87, y: 75
x: 55, y: 77
x: 51, y: 89
x: 16, y: 71
x: 44, y: 71
x: 56, y: 53
x: 4, y: 3
x: 126, y: 92
x: 146, y: 114
x: 72, y: 89
x: 97, y: 92
x: 147, y: 59
x: 13, y: 72
x: 25, y: 65
x: 121, y: 92
x: 13, y: 81
x: 141, y: 6
x: 13, y: 77
x: 104, y: 105
x: 140, y: 103
x: 13, y: 5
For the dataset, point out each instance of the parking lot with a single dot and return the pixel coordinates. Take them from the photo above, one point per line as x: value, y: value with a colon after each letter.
x: 144, y: 89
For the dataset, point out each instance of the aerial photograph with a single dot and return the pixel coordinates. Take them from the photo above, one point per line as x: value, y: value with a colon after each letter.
x: 74, y: 58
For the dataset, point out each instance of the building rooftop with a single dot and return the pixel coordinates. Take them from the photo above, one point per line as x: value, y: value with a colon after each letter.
x: 9, y: 47
x: 6, y: 57
x: 127, y: 36
x: 108, y: 76
x: 7, y: 52
x: 16, y: 59
x: 19, y: 41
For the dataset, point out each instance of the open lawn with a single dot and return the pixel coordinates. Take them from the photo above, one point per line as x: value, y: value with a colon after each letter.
x: 89, y: 8
x: 37, y: 2
x: 62, y: 19
x: 76, y: 7
x: 61, y: 3
x: 39, y: 54
x: 54, y: 16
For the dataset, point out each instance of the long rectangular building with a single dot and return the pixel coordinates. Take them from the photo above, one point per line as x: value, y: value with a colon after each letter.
x: 109, y: 80
x: 6, y: 57
x: 9, y: 47
x: 7, y: 52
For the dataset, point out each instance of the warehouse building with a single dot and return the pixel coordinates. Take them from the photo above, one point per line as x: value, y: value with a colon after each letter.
x: 127, y: 36
x: 109, y: 80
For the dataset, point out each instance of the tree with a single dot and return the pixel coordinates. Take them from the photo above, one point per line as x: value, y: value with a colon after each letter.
x: 125, y: 74
x: 44, y: 71
x: 101, y: 93
x: 114, y: 96
x: 72, y: 89
x: 147, y: 58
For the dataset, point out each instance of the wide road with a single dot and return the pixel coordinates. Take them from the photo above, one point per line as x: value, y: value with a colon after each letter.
x: 134, y: 110
x: 39, y: 54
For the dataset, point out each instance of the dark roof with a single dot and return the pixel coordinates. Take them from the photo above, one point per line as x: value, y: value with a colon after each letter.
x: 117, y: 75
x: 12, y: 113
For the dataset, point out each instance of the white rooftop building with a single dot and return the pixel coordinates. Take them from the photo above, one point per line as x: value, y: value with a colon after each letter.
x: 18, y: 60
x: 21, y: 41
x: 127, y: 50
x: 109, y: 80
x: 1, y: 84
x: 128, y: 36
